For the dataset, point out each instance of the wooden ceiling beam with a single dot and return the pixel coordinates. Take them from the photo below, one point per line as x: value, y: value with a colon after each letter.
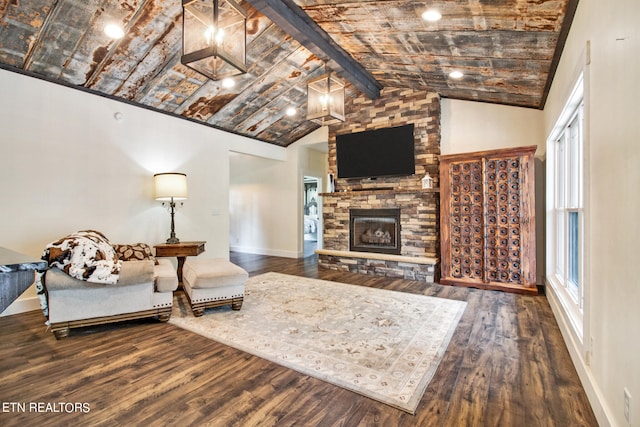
x: 294, y: 21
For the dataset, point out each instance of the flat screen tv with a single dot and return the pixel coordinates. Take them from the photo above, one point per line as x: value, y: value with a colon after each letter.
x: 376, y: 153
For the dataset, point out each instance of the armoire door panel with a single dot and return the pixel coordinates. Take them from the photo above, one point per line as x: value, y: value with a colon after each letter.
x: 503, y: 214
x: 465, y: 209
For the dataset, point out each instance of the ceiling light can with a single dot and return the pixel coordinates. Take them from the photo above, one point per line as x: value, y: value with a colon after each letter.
x: 114, y: 31
x: 431, y: 15
x: 456, y: 74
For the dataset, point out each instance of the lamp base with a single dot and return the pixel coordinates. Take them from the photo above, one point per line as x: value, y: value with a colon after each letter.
x: 172, y: 237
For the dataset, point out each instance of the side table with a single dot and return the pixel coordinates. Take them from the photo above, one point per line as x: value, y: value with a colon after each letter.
x: 181, y: 251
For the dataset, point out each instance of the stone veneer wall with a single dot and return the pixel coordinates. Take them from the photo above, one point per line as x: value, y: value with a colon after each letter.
x: 419, y: 208
x: 395, y: 107
x: 419, y: 219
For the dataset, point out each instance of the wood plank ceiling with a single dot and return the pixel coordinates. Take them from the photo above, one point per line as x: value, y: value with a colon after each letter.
x: 506, y: 49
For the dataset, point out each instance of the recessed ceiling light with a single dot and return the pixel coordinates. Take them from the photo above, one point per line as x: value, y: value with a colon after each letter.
x: 228, y: 82
x: 431, y: 15
x: 456, y: 74
x: 114, y: 31
x: 291, y: 111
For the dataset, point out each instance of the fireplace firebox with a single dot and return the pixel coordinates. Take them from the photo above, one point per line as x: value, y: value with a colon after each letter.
x: 375, y: 230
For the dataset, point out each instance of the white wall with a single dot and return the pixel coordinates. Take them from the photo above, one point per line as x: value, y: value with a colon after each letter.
x: 66, y: 164
x: 612, y: 305
x: 262, y: 206
x: 266, y: 198
x: 475, y: 126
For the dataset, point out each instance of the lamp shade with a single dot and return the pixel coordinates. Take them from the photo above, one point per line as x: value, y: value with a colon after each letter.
x: 170, y: 185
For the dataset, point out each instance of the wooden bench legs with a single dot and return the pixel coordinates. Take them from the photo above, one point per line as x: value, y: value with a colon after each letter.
x: 199, y: 307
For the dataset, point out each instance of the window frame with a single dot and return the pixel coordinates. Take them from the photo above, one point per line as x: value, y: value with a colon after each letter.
x: 566, y: 179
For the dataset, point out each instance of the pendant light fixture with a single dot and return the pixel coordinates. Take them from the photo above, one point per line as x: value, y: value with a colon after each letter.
x: 214, y: 38
x: 325, y: 99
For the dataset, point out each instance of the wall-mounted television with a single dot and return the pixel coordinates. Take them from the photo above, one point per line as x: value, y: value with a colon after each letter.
x: 376, y: 153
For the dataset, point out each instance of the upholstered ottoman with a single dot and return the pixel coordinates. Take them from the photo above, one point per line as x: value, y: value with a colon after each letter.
x: 212, y: 283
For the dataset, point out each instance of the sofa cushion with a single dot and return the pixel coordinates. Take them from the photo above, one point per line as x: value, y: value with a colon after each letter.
x: 131, y: 273
x: 165, y: 275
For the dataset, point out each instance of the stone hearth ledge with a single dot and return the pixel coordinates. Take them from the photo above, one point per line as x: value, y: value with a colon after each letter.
x: 407, y: 267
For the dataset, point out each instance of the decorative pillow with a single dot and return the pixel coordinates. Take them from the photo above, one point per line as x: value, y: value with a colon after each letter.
x: 134, y: 252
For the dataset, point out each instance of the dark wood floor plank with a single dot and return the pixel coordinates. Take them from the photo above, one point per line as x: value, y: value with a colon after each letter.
x: 473, y: 380
x: 536, y: 369
x: 506, y: 365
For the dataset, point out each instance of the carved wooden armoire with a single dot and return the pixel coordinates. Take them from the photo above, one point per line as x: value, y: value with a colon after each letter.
x: 487, y: 219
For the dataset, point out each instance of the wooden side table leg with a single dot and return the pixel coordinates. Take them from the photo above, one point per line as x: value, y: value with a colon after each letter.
x: 181, y: 260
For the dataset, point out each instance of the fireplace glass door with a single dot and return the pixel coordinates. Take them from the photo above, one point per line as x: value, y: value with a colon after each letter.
x: 375, y: 230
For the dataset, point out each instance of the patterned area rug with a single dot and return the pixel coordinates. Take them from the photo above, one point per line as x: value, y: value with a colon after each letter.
x: 385, y: 345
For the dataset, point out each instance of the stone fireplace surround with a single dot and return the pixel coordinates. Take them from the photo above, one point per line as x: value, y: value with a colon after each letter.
x: 419, y: 208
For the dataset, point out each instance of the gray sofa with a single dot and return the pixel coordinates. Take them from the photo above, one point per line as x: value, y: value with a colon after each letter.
x: 144, y: 289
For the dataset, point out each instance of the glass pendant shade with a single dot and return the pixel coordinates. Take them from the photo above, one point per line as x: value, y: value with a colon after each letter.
x: 214, y: 38
x: 325, y: 99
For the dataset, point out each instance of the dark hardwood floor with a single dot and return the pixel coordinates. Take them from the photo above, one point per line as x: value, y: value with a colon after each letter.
x: 507, y: 365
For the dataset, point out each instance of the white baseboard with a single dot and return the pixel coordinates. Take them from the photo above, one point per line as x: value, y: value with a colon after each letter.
x: 594, y: 393
x: 22, y: 306
x: 271, y: 252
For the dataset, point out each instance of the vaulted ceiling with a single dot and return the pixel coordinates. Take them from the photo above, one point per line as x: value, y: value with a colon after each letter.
x: 507, y: 50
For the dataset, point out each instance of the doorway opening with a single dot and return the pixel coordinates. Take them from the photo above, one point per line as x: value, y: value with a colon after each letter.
x: 311, y: 215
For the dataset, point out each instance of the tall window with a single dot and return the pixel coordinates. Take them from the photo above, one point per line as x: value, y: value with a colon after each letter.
x: 565, y: 207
